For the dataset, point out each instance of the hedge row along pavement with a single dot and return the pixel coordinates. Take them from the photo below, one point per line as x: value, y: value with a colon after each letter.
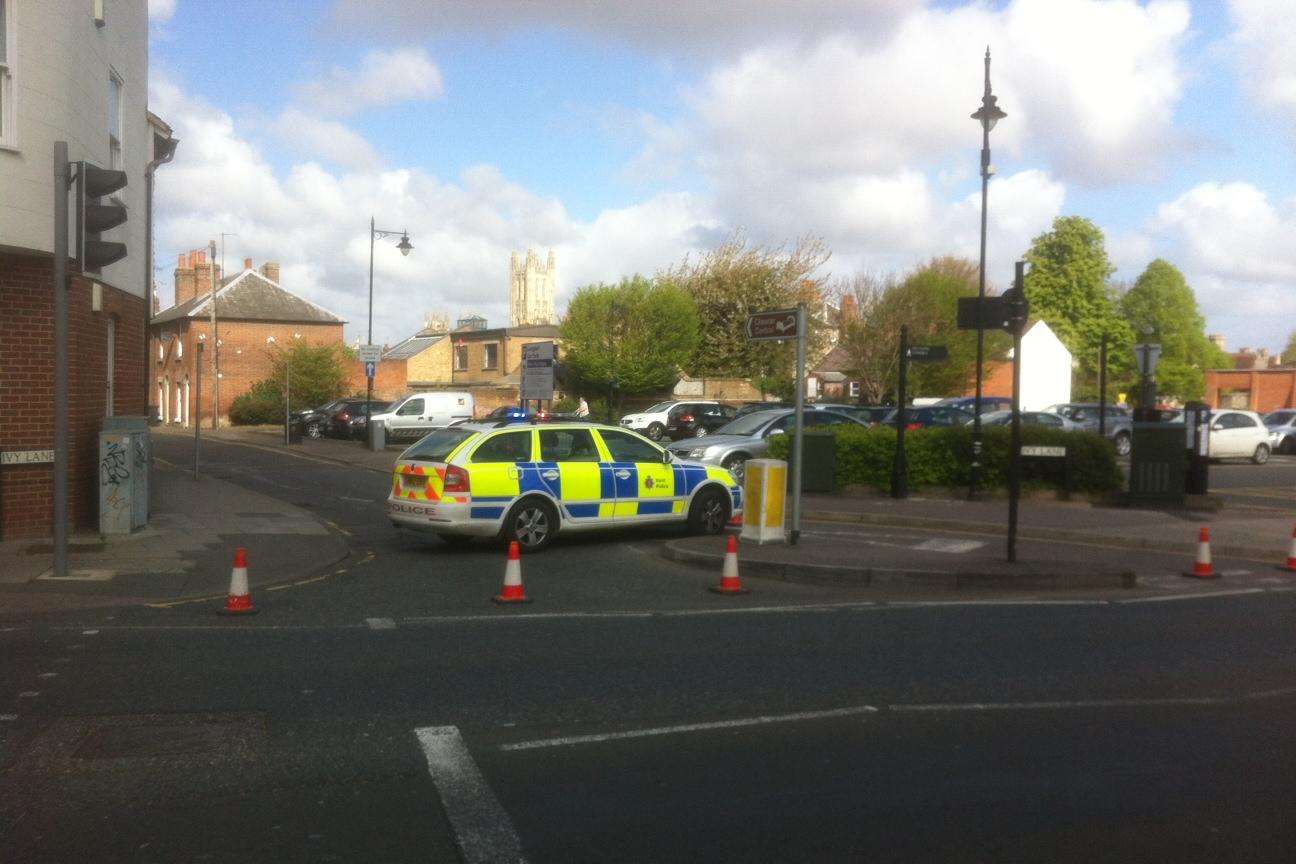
x: 943, y: 457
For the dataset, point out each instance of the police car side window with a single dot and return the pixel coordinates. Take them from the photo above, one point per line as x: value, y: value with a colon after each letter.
x: 508, y: 447
x: 628, y: 448
x: 567, y: 445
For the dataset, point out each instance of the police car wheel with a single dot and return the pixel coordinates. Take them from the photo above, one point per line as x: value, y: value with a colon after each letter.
x: 709, y: 513
x: 655, y: 431
x: 532, y: 523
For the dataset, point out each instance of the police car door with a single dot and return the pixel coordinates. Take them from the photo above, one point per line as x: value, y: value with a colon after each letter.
x: 572, y: 470
x: 496, y: 470
x: 645, y: 483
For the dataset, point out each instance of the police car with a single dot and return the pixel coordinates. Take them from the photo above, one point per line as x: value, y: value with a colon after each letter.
x: 528, y: 483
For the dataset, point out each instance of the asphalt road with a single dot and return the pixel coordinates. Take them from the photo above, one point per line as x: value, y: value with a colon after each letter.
x: 389, y: 713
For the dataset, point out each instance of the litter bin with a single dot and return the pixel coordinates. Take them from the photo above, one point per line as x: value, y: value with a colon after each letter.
x: 818, y: 462
x: 377, y: 435
x: 296, y: 429
x: 123, y: 474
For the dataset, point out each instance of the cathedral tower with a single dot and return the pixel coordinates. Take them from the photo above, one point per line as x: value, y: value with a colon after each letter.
x: 531, y: 290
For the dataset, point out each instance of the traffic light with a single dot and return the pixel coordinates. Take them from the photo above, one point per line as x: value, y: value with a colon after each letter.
x: 95, y: 216
x: 1016, y: 309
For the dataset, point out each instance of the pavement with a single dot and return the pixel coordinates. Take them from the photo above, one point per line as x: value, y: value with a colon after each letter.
x: 185, y: 551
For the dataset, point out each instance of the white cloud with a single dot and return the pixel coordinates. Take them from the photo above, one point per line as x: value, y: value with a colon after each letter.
x: 673, y: 26
x: 1264, y: 45
x: 383, y: 78
x: 161, y: 10
x: 1234, y: 245
x: 333, y: 141
x: 315, y: 221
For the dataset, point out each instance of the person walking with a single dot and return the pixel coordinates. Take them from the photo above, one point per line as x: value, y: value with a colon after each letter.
x: 582, y: 408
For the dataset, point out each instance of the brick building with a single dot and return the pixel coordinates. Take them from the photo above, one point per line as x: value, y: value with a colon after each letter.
x: 67, y: 76
x: 1262, y: 390
x: 250, y: 309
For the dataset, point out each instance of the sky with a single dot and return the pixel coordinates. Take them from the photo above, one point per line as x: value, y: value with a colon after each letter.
x: 626, y: 136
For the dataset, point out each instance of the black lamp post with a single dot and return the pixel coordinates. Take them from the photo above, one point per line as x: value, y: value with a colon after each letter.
x: 405, y: 247
x: 987, y: 115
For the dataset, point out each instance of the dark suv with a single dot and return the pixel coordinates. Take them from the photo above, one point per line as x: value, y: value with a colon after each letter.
x: 693, y: 420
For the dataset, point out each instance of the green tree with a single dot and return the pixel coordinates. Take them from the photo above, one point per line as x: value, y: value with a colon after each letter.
x: 637, y: 334
x: 1289, y: 353
x: 1068, y: 289
x: 317, y: 373
x: 1161, y: 307
x: 733, y: 281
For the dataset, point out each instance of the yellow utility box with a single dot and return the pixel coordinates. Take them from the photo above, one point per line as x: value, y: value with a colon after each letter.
x: 764, y: 494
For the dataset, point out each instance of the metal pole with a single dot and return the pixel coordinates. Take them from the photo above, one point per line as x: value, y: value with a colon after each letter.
x: 900, y: 463
x: 198, y: 408
x: 211, y: 246
x: 369, y: 338
x: 798, y: 432
x: 61, y: 179
x: 1014, y: 453
x: 287, y: 396
x: 974, y: 480
x: 1102, y: 387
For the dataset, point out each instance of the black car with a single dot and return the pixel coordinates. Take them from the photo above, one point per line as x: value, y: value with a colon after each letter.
x: 339, y: 422
x: 358, y: 425
x: 931, y: 415
x: 315, y: 420
x: 750, y: 407
x: 968, y: 403
x: 693, y: 420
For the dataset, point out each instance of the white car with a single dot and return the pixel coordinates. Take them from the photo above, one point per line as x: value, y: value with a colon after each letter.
x: 1239, y: 435
x: 656, y: 419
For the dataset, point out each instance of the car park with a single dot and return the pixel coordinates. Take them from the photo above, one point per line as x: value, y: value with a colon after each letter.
x: 748, y: 437
x: 968, y: 403
x: 315, y: 420
x: 870, y: 414
x: 1282, y: 430
x: 1239, y: 435
x: 420, y: 413
x: 930, y: 416
x: 1120, y: 421
x: 1045, y: 419
x: 658, y: 420
x: 533, y: 482
x: 752, y: 407
x: 695, y: 419
x: 339, y: 422
x: 358, y: 424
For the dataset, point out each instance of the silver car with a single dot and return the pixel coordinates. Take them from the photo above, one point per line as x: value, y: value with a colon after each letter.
x: 748, y: 437
x: 1282, y: 430
x: 1031, y: 418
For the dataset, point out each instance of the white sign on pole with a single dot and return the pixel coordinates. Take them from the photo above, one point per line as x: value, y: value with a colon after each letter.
x: 537, y: 370
x: 1044, y: 452
x: 370, y: 353
x: 26, y: 457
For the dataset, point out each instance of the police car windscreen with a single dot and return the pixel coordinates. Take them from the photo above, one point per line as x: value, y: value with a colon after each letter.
x: 438, y: 445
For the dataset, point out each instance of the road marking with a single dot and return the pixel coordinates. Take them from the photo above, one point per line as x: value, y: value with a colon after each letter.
x: 47, y: 675
x: 482, y: 828
x: 380, y: 623
x: 163, y: 462
x: 949, y: 545
x: 933, y: 707
x: 89, y: 632
x: 7, y: 717
x: 29, y: 694
x: 1025, y: 602
x: 359, y: 500
x: 336, y: 527
x: 1168, y: 597
x: 739, y: 723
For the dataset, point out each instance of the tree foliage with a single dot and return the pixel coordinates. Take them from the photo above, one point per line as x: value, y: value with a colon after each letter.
x: 1068, y: 289
x: 637, y: 334
x: 1289, y: 353
x: 317, y: 374
x: 736, y: 279
x: 1161, y: 307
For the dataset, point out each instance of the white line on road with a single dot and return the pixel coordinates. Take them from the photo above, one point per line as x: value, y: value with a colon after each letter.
x: 7, y: 717
x: 691, y: 727
x: 922, y: 603
x: 89, y: 632
x: 482, y: 828
x: 1167, y: 597
x: 934, y: 707
x: 380, y: 623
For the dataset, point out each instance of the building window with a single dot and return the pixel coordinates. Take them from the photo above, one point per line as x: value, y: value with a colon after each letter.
x: 114, y: 122
x: 461, y: 358
x: 161, y: 351
x: 7, y: 58
x: 179, y: 347
x: 854, y: 389
x: 490, y: 359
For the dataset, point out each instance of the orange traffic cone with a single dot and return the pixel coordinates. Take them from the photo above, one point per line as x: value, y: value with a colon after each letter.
x: 1202, y: 569
x: 239, y: 601
x: 1291, y: 554
x: 729, y: 581
x: 512, y: 592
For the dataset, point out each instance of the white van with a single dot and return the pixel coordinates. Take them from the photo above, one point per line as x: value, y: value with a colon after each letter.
x: 420, y: 413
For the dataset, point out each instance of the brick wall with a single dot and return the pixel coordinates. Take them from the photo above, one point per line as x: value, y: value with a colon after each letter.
x: 245, y: 358
x: 390, y: 380
x: 1265, y: 390
x: 27, y: 388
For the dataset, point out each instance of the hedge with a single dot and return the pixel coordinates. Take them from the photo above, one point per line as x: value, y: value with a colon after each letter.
x: 943, y: 457
x: 262, y: 403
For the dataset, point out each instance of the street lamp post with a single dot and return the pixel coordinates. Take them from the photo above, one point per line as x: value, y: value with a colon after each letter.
x: 405, y: 247
x: 987, y: 115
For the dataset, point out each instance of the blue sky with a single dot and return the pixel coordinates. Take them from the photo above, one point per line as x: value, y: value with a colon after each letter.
x: 626, y: 137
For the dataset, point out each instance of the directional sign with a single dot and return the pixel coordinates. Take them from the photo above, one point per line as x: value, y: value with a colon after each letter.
x: 370, y: 369
x: 370, y: 353
x: 778, y: 325
x: 538, y: 370
x: 927, y: 353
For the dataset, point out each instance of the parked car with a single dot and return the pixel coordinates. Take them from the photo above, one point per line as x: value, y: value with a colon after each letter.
x: 869, y: 414
x: 694, y: 420
x: 752, y: 407
x: 337, y: 424
x: 748, y: 437
x: 315, y: 420
x: 419, y: 413
x: 358, y: 425
x: 1030, y: 418
x: 663, y: 419
x: 932, y: 415
x: 1120, y: 421
x: 1282, y: 430
x: 1239, y: 434
x: 968, y: 403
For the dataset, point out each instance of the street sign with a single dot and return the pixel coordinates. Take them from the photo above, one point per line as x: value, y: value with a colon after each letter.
x: 1044, y: 452
x: 779, y: 325
x: 974, y: 314
x: 928, y: 353
x: 370, y: 353
x: 26, y: 457
x: 370, y: 369
x: 538, y: 371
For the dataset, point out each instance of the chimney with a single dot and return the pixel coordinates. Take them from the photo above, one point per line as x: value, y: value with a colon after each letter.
x: 1218, y: 339
x: 202, y: 270
x: 269, y: 270
x: 247, y: 263
x: 185, y: 285
x: 847, y: 314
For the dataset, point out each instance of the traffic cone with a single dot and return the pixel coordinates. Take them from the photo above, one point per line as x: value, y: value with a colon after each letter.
x: 729, y: 581
x: 1291, y: 554
x: 1202, y: 568
x: 512, y: 592
x: 239, y: 601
